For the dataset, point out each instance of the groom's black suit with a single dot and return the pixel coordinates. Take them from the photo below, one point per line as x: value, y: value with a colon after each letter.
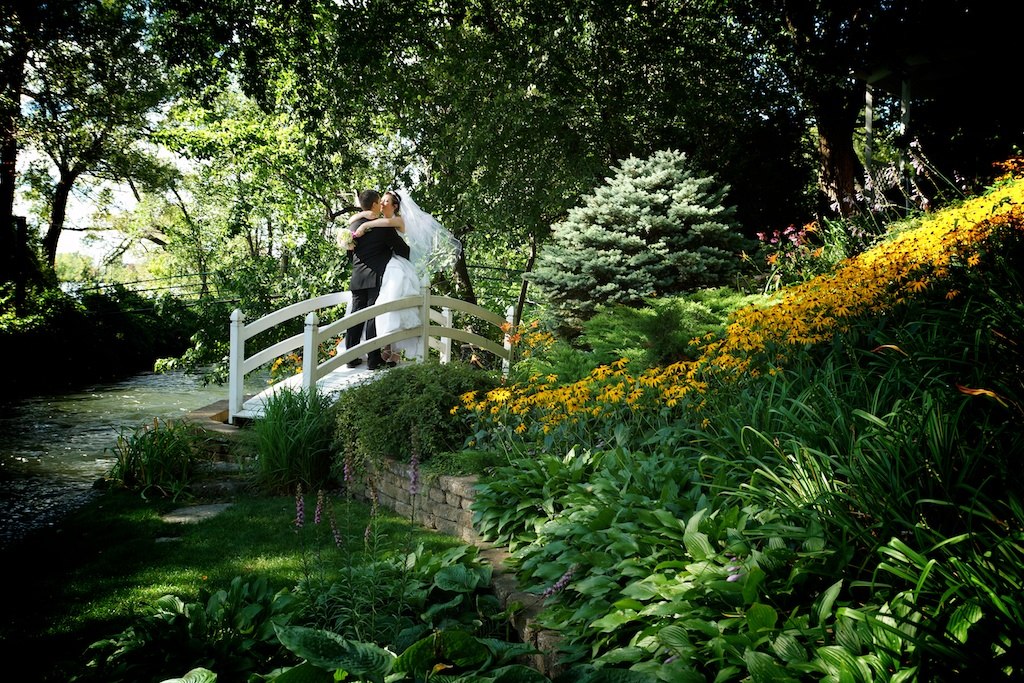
x: 369, y: 260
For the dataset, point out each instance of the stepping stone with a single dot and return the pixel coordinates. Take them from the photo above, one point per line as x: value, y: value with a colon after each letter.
x: 195, y: 514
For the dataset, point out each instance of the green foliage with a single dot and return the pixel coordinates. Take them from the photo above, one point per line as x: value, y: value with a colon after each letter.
x: 206, y: 350
x: 293, y: 441
x: 76, y: 268
x: 160, y: 458
x: 361, y: 605
x: 462, y: 657
x: 851, y: 515
x: 656, y: 228
x: 515, y: 502
x: 231, y: 632
x: 448, y: 592
x: 89, y: 103
x: 559, y: 358
x: 463, y: 463
x: 661, y: 332
x: 94, y: 336
x: 794, y: 255
x: 408, y: 411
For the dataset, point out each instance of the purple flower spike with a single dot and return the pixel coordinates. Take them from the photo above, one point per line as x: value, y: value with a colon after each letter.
x: 318, y: 514
x: 414, y: 475
x: 334, y: 530
x: 300, y: 508
x: 561, y: 583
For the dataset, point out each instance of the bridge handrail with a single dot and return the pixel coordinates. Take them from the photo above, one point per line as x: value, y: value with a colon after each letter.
x: 438, y: 336
x: 295, y: 310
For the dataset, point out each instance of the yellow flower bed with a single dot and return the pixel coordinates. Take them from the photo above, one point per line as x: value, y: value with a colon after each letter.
x: 757, y: 337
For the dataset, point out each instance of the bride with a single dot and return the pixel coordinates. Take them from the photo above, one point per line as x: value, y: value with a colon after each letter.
x: 431, y: 248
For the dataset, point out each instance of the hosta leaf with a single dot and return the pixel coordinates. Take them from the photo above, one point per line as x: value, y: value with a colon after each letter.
x: 827, y: 599
x: 675, y: 637
x: 457, y: 579
x: 195, y: 676
x: 517, y: 673
x: 905, y: 676
x: 305, y: 673
x: 620, y: 676
x: 752, y: 584
x: 463, y: 649
x: 962, y: 619
x: 646, y: 588
x: 788, y: 649
x: 707, y: 628
x: 627, y: 655
x: 761, y: 616
x: 763, y: 668
x: 839, y: 660
x: 729, y: 673
x: 417, y: 657
x: 330, y: 651
x: 696, y: 542
x: 628, y: 604
x: 441, y: 607
x: 610, y: 622
x: 597, y: 586
x: 848, y: 634
x: 322, y: 648
x: 442, y: 647
x: 504, y: 651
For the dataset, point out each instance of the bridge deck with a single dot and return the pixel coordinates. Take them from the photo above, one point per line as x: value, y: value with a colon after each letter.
x: 330, y: 385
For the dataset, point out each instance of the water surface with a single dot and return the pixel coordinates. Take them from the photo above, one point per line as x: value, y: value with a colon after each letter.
x: 54, y: 448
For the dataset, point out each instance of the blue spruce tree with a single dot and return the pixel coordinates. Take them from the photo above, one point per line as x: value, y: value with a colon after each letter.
x: 654, y: 228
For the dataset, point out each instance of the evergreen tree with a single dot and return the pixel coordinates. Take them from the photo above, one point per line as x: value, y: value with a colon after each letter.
x: 655, y: 228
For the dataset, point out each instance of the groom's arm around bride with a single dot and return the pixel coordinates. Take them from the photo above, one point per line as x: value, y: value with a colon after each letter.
x: 369, y: 261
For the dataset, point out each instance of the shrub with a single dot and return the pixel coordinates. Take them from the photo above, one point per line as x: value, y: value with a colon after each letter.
x: 408, y: 410
x: 656, y: 228
x: 661, y: 333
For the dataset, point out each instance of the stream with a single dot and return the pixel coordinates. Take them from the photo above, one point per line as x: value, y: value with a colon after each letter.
x: 53, y: 448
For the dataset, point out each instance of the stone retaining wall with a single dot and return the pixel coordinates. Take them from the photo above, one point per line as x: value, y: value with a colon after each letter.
x: 443, y: 504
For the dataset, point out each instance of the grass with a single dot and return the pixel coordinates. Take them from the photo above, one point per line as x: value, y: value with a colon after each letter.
x: 110, y: 560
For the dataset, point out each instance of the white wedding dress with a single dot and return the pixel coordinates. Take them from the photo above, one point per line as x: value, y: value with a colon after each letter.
x: 400, y: 280
x: 431, y: 248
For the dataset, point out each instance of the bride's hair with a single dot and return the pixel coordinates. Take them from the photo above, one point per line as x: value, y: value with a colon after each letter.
x: 396, y: 200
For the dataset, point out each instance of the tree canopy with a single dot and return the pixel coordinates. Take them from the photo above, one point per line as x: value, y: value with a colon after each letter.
x: 500, y: 115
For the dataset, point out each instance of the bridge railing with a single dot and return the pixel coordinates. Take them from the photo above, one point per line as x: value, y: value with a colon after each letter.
x: 435, y: 332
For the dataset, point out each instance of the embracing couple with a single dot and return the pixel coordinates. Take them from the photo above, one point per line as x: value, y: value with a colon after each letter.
x: 395, y: 247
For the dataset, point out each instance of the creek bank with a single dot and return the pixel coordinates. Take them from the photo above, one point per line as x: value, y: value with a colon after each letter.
x: 441, y: 504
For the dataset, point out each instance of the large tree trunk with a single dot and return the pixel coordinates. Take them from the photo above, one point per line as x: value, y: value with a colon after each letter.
x: 839, y: 167
x: 12, y: 68
x: 57, y: 215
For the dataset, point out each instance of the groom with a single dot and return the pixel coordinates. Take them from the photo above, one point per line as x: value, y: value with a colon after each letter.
x: 369, y: 260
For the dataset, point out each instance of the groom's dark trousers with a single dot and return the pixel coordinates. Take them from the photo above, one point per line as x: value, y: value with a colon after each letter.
x: 369, y: 261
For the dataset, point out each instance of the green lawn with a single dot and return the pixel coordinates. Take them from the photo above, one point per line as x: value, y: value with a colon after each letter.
x: 109, y: 561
